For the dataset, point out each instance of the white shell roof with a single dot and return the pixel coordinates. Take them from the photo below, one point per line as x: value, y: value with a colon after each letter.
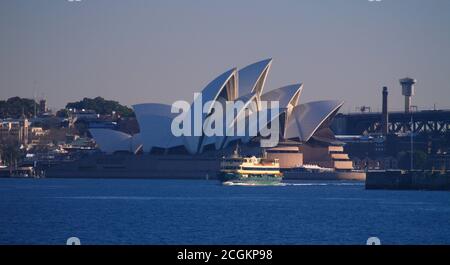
x: 155, y: 126
x: 252, y: 125
x: 111, y: 141
x: 211, y: 93
x: 287, y: 95
x: 309, y: 117
x: 240, y: 113
x: 216, y: 87
x: 250, y: 86
x: 253, y: 77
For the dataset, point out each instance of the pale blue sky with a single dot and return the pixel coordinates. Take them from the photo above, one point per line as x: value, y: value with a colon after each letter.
x: 137, y: 51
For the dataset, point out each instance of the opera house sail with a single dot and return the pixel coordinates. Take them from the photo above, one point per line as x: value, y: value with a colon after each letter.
x: 187, y: 140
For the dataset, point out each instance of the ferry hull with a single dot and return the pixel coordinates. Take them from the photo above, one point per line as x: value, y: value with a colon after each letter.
x: 234, y: 178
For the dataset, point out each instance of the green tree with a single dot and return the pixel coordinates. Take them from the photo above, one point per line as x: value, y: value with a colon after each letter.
x: 14, y: 107
x: 101, y: 106
x: 62, y: 113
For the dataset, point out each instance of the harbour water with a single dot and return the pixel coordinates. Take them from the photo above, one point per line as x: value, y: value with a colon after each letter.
x: 130, y: 211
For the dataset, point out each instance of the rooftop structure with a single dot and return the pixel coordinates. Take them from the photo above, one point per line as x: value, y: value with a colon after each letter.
x: 16, y: 130
x: 407, y: 91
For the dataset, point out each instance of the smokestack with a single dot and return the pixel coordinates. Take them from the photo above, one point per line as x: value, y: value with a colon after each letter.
x: 385, y: 114
x: 407, y: 91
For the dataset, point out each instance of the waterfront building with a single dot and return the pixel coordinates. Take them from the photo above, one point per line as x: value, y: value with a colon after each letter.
x: 304, y: 134
x: 16, y: 130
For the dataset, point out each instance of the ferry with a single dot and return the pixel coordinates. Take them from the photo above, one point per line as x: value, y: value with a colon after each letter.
x: 253, y: 171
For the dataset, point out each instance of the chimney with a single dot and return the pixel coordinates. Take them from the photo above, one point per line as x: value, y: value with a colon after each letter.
x: 385, y: 114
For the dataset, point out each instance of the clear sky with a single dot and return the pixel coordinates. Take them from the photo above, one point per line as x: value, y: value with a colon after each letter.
x: 137, y: 51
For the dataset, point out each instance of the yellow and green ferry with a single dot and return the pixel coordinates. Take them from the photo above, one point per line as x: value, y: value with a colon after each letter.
x: 237, y: 170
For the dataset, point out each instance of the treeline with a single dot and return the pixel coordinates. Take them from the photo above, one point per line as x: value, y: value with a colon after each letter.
x: 101, y: 106
x: 15, y: 106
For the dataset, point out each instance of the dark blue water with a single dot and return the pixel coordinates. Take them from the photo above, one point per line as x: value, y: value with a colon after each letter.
x: 105, y: 211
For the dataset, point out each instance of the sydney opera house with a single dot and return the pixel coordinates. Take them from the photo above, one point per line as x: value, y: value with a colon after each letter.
x: 303, y: 133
